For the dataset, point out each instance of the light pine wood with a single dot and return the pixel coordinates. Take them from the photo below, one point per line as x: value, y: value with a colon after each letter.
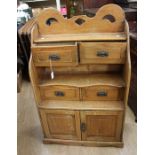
x: 30, y: 136
x: 127, y: 72
x: 29, y: 29
x: 127, y: 67
x: 84, y: 80
x: 44, y: 72
x: 82, y: 105
x: 102, y: 125
x: 94, y: 93
x: 83, y: 87
x: 67, y: 55
x: 60, y: 25
x: 34, y: 80
x: 80, y: 37
x: 109, y: 20
x: 83, y: 143
x: 82, y: 93
x: 89, y: 52
x: 66, y: 93
x: 104, y: 68
x: 60, y: 124
x: 34, y: 34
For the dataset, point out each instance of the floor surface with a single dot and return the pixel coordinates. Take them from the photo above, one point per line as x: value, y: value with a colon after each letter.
x: 30, y: 133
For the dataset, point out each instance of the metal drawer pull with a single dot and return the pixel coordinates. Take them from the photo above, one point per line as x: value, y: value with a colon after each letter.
x: 102, y: 93
x: 102, y: 54
x: 59, y: 93
x: 54, y: 57
x: 83, y: 127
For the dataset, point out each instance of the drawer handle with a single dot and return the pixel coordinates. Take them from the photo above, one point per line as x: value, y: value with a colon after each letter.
x: 102, y: 54
x: 54, y: 57
x: 102, y: 93
x: 59, y: 93
x: 83, y: 127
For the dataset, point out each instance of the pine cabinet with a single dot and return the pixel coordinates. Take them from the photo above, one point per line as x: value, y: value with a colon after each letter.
x: 80, y: 74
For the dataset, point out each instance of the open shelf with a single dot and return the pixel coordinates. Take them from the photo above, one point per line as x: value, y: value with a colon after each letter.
x: 120, y: 36
x: 82, y: 105
x: 84, y: 80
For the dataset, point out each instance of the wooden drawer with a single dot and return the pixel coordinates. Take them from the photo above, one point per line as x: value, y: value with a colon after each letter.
x: 59, y: 55
x: 100, y: 53
x: 102, y: 93
x: 59, y: 93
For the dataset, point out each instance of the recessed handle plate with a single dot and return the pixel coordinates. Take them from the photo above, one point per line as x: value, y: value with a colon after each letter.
x: 101, y: 93
x: 54, y: 57
x: 59, y: 93
x: 83, y: 127
x: 102, y: 54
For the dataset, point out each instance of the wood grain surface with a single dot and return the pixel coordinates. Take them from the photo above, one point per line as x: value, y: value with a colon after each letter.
x: 108, y: 24
x: 30, y: 133
x: 109, y: 18
x: 85, y: 114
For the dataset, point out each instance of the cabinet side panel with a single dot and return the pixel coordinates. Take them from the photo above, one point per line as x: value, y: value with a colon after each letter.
x: 126, y: 73
x: 34, y: 81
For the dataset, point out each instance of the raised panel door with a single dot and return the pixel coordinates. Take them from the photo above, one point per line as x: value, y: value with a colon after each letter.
x: 61, y: 124
x: 101, y: 125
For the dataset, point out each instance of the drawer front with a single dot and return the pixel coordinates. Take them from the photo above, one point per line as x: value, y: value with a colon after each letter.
x: 100, y: 53
x: 59, y: 56
x: 102, y: 93
x: 59, y: 93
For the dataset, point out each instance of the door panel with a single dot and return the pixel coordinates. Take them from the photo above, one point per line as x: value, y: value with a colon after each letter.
x: 61, y: 124
x: 101, y: 125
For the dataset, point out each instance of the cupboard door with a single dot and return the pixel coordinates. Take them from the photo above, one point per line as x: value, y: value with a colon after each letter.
x: 101, y: 125
x: 61, y: 124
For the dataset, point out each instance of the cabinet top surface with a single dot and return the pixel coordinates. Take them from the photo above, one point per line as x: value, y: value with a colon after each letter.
x: 83, y: 105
